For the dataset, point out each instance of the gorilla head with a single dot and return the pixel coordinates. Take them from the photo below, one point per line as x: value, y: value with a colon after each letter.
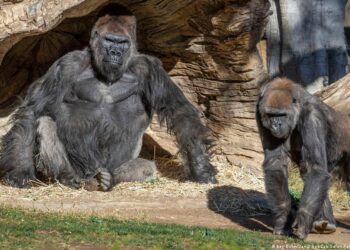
x: 112, y: 43
x: 279, y: 108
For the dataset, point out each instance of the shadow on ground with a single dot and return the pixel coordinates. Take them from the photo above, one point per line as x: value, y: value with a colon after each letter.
x: 344, y: 222
x: 248, y: 208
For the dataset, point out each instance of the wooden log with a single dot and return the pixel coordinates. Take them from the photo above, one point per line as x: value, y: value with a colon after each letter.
x: 337, y: 95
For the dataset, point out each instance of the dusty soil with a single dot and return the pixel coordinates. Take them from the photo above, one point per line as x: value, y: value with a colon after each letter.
x: 167, y: 201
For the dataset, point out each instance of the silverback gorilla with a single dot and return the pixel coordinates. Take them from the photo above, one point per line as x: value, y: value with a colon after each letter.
x: 85, y: 118
x: 295, y: 124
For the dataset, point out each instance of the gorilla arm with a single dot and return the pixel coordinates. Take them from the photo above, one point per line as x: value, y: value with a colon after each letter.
x: 172, y: 107
x: 314, y: 172
x: 17, y: 146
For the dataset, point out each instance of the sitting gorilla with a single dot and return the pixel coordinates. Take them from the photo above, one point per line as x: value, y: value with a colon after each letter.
x: 85, y: 118
x: 295, y: 124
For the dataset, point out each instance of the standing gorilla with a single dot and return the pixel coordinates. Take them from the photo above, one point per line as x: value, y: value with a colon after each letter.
x: 294, y: 124
x: 86, y: 116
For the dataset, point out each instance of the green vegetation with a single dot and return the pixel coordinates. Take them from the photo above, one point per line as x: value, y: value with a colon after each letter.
x: 338, y: 195
x: 295, y: 194
x: 36, y: 230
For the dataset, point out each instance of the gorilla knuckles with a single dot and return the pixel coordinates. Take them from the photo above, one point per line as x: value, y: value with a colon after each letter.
x: 85, y: 118
x: 295, y: 124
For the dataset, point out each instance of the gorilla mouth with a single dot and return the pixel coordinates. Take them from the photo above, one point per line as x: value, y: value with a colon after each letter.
x: 279, y: 134
x: 114, y: 60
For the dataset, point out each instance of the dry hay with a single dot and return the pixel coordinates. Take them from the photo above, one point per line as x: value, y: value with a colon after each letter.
x: 239, y: 191
x: 229, y: 196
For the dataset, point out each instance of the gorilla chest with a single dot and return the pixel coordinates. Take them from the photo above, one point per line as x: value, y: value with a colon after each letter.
x: 97, y: 130
x: 91, y: 103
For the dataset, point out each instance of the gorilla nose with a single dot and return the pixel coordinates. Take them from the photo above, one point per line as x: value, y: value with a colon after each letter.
x: 114, y: 52
x: 276, y: 125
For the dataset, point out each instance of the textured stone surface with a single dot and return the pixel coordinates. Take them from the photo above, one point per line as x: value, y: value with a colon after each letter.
x: 208, y: 47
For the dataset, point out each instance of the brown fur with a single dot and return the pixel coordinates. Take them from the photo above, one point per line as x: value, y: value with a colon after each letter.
x: 117, y: 25
x: 280, y: 94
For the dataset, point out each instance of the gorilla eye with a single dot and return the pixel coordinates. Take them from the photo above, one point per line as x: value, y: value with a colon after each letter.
x: 110, y: 39
x: 124, y: 45
x: 277, y: 115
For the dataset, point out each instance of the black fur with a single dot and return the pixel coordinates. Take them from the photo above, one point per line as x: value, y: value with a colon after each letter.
x: 86, y: 116
x: 316, y: 137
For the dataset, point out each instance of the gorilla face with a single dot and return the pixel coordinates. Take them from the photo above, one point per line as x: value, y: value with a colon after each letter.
x: 111, y: 46
x: 279, y: 110
x: 278, y: 123
x: 114, y: 48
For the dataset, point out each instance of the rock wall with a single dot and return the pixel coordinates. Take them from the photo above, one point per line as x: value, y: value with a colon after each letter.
x: 208, y: 47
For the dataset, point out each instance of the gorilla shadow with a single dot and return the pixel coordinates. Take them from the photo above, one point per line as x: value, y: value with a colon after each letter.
x: 248, y: 208
x: 168, y: 165
x: 344, y: 223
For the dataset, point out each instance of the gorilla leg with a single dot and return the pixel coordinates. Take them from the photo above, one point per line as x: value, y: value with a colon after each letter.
x: 314, y: 196
x: 52, y: 161
x: 276, y: 184
x: 325, y: 221
x: 137, y: 170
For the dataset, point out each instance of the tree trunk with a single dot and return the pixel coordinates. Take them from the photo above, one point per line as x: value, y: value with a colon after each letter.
x: 306, y: 41
x: 337, y: 95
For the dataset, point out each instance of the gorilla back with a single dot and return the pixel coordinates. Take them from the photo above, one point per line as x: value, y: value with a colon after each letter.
x: 86, y: 116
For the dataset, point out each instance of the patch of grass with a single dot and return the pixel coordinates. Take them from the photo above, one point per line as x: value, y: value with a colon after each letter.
x: 155, y: 180
x: 36, y: 230
x: 295, y: 194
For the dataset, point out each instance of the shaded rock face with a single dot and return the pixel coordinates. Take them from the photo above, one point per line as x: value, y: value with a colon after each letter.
x: 208, y: 48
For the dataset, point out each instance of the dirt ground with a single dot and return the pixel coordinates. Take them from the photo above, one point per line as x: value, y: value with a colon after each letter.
x: 168, y: 200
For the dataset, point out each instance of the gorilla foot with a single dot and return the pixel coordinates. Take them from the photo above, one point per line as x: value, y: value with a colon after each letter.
x: 323, y: 227
x: 207, y: 178
x: 74, y: 183
x: 300, y: 233
x: 278, y: 231
x: 300, y: 230
x: 102, y: 181
x: 19, y: 179
x: 104, y: 178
